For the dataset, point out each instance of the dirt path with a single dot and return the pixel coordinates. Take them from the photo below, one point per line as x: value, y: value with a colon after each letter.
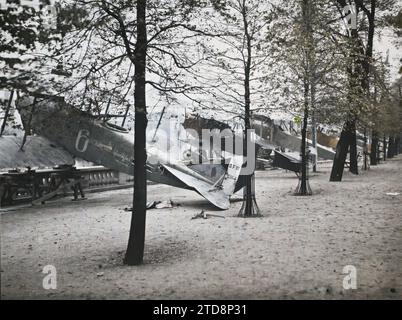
x: 297, y: 251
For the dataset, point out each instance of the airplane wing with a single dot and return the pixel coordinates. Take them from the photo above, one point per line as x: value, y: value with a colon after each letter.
x: 286, y: 161
x: 214, y: 195
x: 38, y: 152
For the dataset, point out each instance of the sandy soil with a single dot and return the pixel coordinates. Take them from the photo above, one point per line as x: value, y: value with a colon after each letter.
x: 296, y: 251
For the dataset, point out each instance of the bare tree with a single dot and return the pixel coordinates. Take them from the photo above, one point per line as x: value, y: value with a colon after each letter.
x: 360, y: 94
x: 236, y: 73
x: 306, y: 67
x: 124, y: 44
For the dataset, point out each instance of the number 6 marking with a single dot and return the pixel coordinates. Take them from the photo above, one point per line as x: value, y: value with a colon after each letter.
x: 83, y: 135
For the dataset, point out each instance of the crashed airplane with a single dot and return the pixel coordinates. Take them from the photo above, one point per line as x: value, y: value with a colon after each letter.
x: 176, y: 155
x: 93, y: 139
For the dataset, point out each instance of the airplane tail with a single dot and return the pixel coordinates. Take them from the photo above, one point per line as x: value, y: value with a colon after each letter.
x: 217, y: 193
x: 232, y: 174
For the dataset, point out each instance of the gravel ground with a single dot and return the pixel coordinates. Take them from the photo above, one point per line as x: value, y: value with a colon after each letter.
x: 296, y: 251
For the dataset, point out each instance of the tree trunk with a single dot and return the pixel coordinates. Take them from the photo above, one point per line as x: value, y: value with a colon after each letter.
x: 397, y: 145
x: 304, y: 188
x: 247, y: 126
x: 7, y: 112
x: 135, y: 247
x: 374, y: 149
x: 353, y: 167
x: 347, y: 139
x: 341, y: 153
x: 391, y: 147
x: 356, y: 86
x: 249, y: 207
x: 314, y: 142
x: 365, y: 147
x: 27, y: 125
x: 368, y: 56
x: 384, y: 148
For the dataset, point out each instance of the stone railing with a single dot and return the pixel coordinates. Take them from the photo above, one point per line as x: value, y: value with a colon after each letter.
x: 24, y: 187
